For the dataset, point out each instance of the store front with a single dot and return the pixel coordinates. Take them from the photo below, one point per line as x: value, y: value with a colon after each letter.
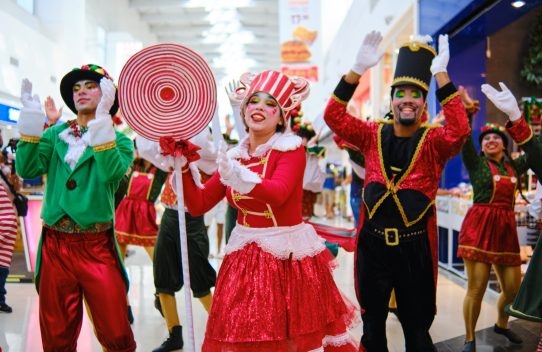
x: 489, y: 43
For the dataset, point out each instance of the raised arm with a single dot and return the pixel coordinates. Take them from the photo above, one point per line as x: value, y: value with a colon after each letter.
x: 517, y: 127
x: 33, y: 150
x: 353, y: 130
x: 113, y: 151
x: 198, y: 201
x: 454, y: 133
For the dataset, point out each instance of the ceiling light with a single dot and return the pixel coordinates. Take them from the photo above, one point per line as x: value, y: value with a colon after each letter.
x: 518, y: 4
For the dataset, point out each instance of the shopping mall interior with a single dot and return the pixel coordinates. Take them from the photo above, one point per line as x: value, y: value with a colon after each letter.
x: 178, y: 67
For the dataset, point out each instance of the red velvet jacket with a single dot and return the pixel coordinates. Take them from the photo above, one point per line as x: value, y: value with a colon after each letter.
x: 280, y: 163
x: 413, y: 189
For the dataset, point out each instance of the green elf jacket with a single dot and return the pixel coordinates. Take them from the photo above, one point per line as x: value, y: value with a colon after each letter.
x: 86, y: 193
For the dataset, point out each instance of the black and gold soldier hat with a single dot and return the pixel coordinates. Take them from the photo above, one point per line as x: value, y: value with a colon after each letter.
x: 413, y: 65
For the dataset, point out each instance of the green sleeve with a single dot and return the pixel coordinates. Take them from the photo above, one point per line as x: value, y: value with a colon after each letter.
x: 533, y: 149
x: 470, y: 156
x: 113, y: 163
x: 521, y: 164
x: 356, y: 156
x: 33, y: 158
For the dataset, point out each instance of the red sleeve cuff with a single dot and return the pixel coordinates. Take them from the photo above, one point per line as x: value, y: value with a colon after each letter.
x: 521, y: 133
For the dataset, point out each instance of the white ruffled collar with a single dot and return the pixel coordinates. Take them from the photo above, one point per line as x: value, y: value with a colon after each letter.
x: 279, y: 141
x: 76, y: 146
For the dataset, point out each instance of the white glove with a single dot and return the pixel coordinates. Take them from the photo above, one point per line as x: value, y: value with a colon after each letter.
x: 440, y: 62
x: 107, y: 100
x: 235, y: 102
x: 225, y: 164
x: 368, y: 54
x: 31, y: 117
x: 504, y: 100
x: 101, y: 129
x: 235, y: 175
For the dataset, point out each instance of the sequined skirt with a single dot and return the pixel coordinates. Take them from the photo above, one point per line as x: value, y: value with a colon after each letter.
x: 266, y: 303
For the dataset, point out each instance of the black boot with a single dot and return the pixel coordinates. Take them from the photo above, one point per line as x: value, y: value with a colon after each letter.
x: 130, y: 315
x: 173, y: 342
x: 469, y: 346
x: 157, y: 304
x: 5, y: 308
x: 510, y: 335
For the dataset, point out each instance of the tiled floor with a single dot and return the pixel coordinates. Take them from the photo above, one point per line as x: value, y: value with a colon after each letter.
x: 19, y: 331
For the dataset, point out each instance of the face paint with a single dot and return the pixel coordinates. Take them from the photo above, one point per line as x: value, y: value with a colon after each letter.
x: 407, y: 104
x: 262, y: 113
x: 86, y: 95
x: 88, y: 85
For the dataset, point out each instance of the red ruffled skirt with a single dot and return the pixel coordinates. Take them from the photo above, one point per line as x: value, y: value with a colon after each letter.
x: 264, y: 303
x: 489, y: 234
x: 135, y: 222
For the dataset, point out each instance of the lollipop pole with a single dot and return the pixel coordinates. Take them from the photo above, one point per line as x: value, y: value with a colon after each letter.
x: 189, y: 326
x: 217, y: 133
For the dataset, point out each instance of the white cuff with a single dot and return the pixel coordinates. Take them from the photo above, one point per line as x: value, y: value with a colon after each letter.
x: 515, y: 115
x: 242, y: 179
x: 359, y: 69
x: 31, y: 122
x: 101, y: 131
x: 196, y: 176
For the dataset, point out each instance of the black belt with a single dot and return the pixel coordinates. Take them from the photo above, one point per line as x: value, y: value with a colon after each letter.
x: 393, y: 235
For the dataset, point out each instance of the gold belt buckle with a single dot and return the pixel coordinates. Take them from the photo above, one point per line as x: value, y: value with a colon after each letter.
x: 391, y: 231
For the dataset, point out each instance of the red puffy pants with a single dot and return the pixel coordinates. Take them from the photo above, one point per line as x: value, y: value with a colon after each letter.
x: 74, y: 266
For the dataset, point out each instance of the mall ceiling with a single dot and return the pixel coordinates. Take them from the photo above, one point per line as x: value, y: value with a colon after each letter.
x: 234, y: 38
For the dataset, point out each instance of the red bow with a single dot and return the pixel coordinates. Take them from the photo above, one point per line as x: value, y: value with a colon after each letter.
x: 179, y: 148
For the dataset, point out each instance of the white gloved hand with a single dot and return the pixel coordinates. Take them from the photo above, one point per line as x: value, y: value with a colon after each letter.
x: 504, y: 100
x: 235, y: 102
x: 31, y: 117
x: 225, y: 164
x: 440, y: 62
x: 101, y: 129
x: 108, y: 98
x: 151, y: 151
x: 368, y: 54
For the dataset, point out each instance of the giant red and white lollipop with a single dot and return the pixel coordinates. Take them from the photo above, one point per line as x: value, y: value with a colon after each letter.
x: 167, y: 90
x: 167, y: 93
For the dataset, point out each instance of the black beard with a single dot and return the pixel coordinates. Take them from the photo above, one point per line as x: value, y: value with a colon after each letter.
x: 406, y: 122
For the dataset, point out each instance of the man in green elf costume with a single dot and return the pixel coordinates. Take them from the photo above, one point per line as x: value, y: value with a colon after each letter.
x: 84, y: 160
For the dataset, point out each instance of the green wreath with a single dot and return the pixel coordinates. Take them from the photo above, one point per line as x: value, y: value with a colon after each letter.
x: 532, y: 65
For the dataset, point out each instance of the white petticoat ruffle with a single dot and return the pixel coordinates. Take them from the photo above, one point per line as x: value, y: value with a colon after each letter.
x: 299, y: 241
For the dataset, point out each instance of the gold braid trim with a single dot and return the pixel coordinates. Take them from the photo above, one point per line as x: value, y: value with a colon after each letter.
x: 29, y: 139
x: 430, y: 125
x: 393, y: 188
x: 488, y: 252
x: 519, y: 143
x: 387, y: 122
x: 448, y: 98
x: 381, y: 156
x: 412, y: 161
x: 105, y: 146
x: 416, y: 45
x: 338, y: 100
x: 377, y: 205
x: 403, y: 214
x: 412, y: 80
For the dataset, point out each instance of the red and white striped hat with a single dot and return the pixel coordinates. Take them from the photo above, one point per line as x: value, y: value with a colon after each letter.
x: 287, y: 91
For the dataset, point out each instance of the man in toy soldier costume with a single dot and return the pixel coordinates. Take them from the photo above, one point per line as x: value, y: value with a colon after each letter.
x: 84, y: 160
x: 404, y: 158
